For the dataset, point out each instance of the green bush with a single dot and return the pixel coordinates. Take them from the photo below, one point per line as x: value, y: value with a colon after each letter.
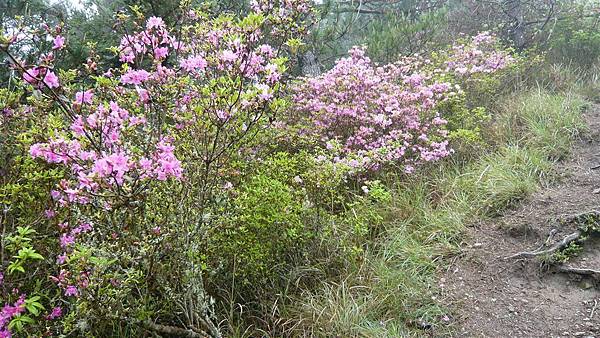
x: 575, y: 42
x: 262, y: 229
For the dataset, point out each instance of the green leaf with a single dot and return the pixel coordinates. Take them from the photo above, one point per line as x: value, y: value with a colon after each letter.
x: 33, y: 299
x: 32, y: 309
x: 35, y: 255
x: 27, y: 319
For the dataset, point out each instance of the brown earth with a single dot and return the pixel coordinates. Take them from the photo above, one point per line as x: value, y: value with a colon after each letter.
x: 497, y: 297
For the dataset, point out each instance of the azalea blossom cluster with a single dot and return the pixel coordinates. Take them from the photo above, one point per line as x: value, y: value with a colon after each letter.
x: 367, y: 116
x: 286, y: 8
x: 7, y: 313
x: 42, y: 74
x: 479, y: 54
x: 288, y: 16
x: 222, y: 65
x: 100, y: 155
x: 155, y: 40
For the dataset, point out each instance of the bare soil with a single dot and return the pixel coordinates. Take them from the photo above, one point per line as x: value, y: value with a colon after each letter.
x: 496, y: 297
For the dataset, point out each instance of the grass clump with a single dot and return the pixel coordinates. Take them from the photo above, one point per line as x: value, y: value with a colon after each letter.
x: 544, y: 121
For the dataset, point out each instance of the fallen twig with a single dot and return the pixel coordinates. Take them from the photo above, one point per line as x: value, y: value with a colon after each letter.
x: 556, y: 247
x: 593, y: 309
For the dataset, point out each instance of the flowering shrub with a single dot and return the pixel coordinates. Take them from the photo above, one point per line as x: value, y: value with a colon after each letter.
x: 366, y: 116
x: 484, y: 69
x: 478, y: 54
x: 369, y: 116
x: 139, y: 149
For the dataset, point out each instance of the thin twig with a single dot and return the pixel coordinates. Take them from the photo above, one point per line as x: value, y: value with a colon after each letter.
x: 594, y: 309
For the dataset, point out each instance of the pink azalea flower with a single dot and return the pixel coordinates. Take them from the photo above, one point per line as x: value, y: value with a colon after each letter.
x: 143, y: 94
x: 49, y: 213
x: 71, y: 291
x: 59, y: 42
x: 161, y: 52
x: 120, y: 162
x: 77, y: 126
x: 84, y: 97
x: 56, y: 312
x: 228, y: 56
x: 137, y: 120
x: 36, y: 150
x: 85, y: 227
x: 222, y: 115
x: 102, y: 167
x: 55, y: 194
x: 135, y: 77
x: 30, y: 75
x: 85, y: 182
x: 194, y: 63
x: 62, y: 258
x: 51, y: 80
x: 155, y: 22
x: 267, y: 50
x: 66, y: 240
x: 145, y: 164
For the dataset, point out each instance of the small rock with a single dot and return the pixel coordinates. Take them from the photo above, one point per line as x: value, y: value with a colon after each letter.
x: 596, y: 191
x: 423, y: 325
x: 579, y: 334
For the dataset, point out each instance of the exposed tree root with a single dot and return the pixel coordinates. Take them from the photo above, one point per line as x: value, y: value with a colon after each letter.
x: 584, y: 217
x: 556, y: 247
x: 580, y: 271
x: 167, y: 330
x: 587, y: 223
x: 172, y: 330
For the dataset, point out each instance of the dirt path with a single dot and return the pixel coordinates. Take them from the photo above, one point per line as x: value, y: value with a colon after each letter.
x: 495, y: 297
